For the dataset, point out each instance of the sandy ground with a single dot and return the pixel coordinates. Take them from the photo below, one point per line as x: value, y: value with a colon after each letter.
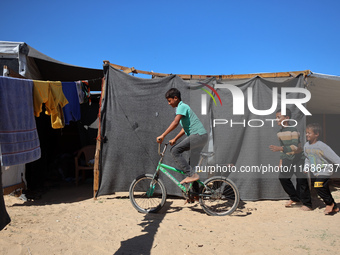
x: 67, y: 220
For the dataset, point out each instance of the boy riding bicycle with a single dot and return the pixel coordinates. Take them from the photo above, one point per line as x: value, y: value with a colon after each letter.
x: 196, y: 138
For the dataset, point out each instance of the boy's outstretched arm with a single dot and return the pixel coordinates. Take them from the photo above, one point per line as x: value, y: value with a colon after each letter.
x: 172, y: 126
x: 275, y: 148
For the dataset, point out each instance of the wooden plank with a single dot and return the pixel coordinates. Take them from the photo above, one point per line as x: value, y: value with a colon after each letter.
x: 224, y: 77
x: 129, y: 70
x: 324, y: 138
x: 98, y: 149
x: 10, y: 189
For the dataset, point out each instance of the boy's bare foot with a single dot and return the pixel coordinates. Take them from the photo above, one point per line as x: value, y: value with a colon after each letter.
x: 331, y: 209
x: 189, y: 179
x: 305, y: 208
x: 192, y: 200
x: 290, y: 203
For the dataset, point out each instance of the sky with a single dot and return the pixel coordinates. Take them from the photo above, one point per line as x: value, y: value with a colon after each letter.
x: 181, y: 37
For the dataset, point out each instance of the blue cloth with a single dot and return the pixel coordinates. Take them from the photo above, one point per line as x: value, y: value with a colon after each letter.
x: 72, y: 109
x: 19, y: 141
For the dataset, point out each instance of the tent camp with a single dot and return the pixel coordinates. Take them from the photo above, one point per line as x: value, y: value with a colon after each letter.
x: 27, y: 62
x: 134, y: 112
x: 124, y: 135
x: 17, y: 59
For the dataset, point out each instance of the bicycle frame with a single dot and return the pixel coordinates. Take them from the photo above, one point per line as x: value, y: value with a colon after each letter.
x: 163, y: 168
x: 217, y: 195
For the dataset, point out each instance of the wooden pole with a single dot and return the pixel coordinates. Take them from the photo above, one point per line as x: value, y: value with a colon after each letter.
x: 324, y: 138
x: 223, y: 77
x: 98, y: 147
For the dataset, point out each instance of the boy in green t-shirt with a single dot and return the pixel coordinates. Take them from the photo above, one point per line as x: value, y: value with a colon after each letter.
x: 196, y: 138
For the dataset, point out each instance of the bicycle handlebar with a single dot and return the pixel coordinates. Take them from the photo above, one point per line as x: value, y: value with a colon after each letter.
x: 164, y: 149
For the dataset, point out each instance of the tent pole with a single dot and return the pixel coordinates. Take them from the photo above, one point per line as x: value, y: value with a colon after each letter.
x: 98, y: 148
x: 224, y: 77
x: 324, y: 128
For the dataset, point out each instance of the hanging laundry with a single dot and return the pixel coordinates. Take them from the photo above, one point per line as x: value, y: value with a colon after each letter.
x: 72, y: 109
x: 81, y: 93
x: 19, y: 141
x: 87, y: 91
x: 50, y: 93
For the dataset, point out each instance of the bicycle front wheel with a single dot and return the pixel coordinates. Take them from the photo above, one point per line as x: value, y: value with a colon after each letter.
x: 147, y: 194
x: 219, y: 196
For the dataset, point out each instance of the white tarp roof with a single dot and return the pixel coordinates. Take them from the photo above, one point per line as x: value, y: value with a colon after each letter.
x: 325, y: 90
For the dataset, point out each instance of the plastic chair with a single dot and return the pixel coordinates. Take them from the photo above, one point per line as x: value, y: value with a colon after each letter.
x: 84, y: 155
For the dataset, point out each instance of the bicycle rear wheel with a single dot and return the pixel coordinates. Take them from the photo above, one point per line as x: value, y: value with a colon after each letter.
x: 146, y: 194
x: 219, y: 196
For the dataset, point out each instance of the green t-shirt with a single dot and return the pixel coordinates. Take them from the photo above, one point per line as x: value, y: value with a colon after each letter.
x: 189, y: 121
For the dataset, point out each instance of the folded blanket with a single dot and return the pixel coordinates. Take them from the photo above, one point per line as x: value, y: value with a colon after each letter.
x: 19, y: 141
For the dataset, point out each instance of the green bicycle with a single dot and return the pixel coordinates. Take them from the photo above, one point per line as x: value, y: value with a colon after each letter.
x: 218, y: 196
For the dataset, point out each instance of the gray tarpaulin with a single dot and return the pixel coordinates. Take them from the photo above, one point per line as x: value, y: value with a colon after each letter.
x: 134, y: 112
x: 248, y: 147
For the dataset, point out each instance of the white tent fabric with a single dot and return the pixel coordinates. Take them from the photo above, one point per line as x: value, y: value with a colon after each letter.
x: 11, y: 175
x: 32, y: 64
x: 325, y: 90
x: 17, y: 50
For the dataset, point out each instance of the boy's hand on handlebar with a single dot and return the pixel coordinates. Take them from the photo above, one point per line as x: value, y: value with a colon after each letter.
x: 172, y: 141
x: 160, y: 139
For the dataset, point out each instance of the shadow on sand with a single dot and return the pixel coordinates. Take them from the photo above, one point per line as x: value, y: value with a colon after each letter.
x: 142, y: 244
x: 61, y: 193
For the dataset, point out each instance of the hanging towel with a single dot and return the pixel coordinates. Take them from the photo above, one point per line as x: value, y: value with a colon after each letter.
x: 19, y: 141
x: 50, y: 93
x: 72, y: 109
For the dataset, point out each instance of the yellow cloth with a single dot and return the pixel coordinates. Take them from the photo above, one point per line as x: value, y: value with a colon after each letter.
x: 51, y: 94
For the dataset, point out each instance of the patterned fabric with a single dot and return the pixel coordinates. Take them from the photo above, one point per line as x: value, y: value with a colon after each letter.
x: 290, y: 141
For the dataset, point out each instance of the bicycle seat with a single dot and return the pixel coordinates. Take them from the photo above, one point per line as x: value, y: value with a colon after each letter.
x: 207, y: 154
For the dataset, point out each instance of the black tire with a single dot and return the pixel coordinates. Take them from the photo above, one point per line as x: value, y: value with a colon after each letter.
x: 139, y: 197
x: 219, y: 196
